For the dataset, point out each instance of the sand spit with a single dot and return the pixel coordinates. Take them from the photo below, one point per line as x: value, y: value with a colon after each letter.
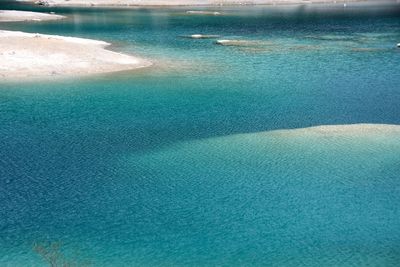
x: 38, y: 55
x: 13, y: 15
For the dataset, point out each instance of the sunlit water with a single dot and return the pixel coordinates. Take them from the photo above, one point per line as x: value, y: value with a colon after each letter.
x: 179, y: 164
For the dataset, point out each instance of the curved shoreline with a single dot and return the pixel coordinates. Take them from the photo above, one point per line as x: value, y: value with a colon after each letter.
x: 28, y: 55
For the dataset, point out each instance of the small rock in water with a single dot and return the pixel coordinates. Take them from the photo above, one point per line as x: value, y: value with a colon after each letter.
x: 201, y: 36
x: 203, y: 12
x: 196, y: 36
x: 42, y: 3
x: 223, y: 42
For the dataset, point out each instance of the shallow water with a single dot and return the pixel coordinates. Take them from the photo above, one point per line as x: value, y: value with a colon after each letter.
x: 170, y: 166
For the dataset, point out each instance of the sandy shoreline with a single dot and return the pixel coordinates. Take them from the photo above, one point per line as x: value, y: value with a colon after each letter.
x: 37, y: 55
x: 14, y: 15
x: 122, y: 3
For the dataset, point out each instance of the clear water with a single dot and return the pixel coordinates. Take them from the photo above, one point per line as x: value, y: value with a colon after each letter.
x: 176, y: 165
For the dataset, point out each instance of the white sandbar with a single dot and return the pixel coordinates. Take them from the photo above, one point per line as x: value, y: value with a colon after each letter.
x: 37, y: 55
x: 13, y: 15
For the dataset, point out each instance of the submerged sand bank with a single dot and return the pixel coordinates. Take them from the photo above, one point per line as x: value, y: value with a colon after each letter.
x: 316, y: 139
x: 183, y: 2
x: 14, y: 15
x: 345, y: 135
x: 325, y: 133
x: 356, y: 130
x: 37, y: 55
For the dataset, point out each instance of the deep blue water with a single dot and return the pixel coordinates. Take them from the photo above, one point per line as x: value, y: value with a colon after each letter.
x: 175, y: 165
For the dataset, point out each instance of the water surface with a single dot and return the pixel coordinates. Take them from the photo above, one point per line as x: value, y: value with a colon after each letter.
x: 176, y: 164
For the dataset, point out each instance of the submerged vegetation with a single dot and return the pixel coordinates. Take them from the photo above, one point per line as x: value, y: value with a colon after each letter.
x: 55, y: 255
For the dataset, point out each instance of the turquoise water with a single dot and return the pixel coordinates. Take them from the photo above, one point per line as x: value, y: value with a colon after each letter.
x: 179, y: 165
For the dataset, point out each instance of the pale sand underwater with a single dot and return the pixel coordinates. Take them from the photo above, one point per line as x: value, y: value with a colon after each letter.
x: 329, y: 134
x: 349, y: 130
